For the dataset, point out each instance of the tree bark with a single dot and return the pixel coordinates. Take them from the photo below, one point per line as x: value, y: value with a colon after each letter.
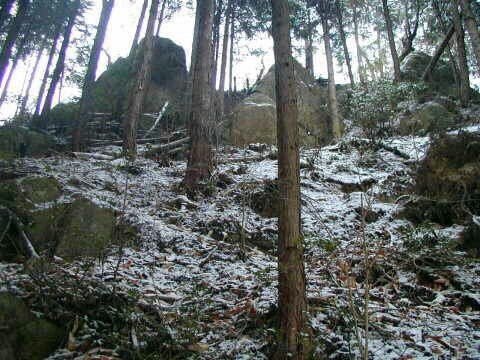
x: 139, y: 27
x: 137, y: 96
x: 292, y: 341
x: 60, y: 66
x: 410, y: 34
x: 26, y: 98
x: 464, y: 94
x: 223, y: 65
x: 309, y: 55
x: 51, y: 55
x: 332, y: 92
x: 200, y: 156
x: 472, y: 28
x: 391, y: 41
x: 86, y: 101
x: 427, y: 75
x: 232, y: 39
x: 5, y: 12
x: 18, y: 55
x: 161, y: 17
x: 361, y: 73
x: 343, y: 39
x: 12, y: 36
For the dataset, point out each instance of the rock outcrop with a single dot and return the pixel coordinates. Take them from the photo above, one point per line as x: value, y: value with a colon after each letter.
x: 253, y: 120
x: 68, y: 228
x: 414, y: 65
x: 16, y: 141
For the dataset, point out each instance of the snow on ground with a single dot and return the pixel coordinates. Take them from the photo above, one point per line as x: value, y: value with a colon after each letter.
x: 190, y: 265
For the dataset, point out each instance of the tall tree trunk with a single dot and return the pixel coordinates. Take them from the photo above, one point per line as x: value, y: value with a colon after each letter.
x: 51, y: 55
x: 292, y: 304
x: 216, y: 43
x: 86, y: 101
x: 461, y: 55
x: 472, y: 28
x: 18, y: 55
x: 5, y: 12
x: 60, y: 66
x: 12, y: 36
x: 200, y: 156
x: 161, y: 17
x: 451, y: 56
x: 137, y: 96
x: 309, y: 55
x: 410, y: 33
x: 26, y: 98
x: 361, y: 70
x: 427, y: 75
x: 223, y: 65
x: 332, y: 92
x: 139, y: 27
x: 343, y: 39
x: 24, y: 83
x: 391, y: 41
x: 232, y: 39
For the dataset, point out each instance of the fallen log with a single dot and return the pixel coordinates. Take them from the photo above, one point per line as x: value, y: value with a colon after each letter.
x: 165, y: 147
x: 95, y: 156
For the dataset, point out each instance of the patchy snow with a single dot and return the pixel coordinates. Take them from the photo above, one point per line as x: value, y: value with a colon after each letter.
x: 188, y: 269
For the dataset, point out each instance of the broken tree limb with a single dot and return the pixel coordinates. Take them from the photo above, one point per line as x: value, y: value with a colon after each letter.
x: 25, y: 243
x: 160, y: 115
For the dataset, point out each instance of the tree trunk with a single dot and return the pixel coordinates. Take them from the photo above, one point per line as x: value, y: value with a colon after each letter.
x: 60, y: 66
x: 410, y: 34
x: 51, y: 55
x: 453, y: 61
x: 292, y: 304
x: 5, y: 12
x: 343, y: 39
x: 472, y: 28
x: 223, y: 65
x: 427, y: 75
x: 139, y: 27
x: 86, y: 101
x: 137, y: 96
x: 461, y: 55
x: 309, y: 55
x: 161, y: 17
x: 12, y: 36
x: 361, y: 74
x: 391, y: 41
x: 232, y: 38
x: 200, y: 156
x: 216, y: 44
x: 25, y: 99
x: 332, y: 92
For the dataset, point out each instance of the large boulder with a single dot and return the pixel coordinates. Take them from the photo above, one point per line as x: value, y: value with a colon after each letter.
x: 71, y: 230
x: 448, y: 181
x: 17, y: 141
x: 253, y: 120
x: 169, y: 77
x: 414, y: 65
x: 23, y: 336
x: 424, y: 118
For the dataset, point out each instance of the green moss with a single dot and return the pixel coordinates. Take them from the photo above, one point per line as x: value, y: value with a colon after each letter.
x: 38, y: 339
x: 40, y: 189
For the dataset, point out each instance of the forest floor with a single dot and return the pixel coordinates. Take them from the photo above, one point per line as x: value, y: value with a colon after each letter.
x: 203, y: 272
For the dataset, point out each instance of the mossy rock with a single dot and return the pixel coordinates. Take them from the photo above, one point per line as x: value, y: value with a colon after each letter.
x: 25, y: 338
x: 24, y: 194
x: 254, y: 119
x: 429, y: 117
x: 448, y: 181
x: 16, y: 141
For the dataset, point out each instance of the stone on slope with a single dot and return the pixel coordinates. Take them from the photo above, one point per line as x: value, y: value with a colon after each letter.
x: 253, y: 120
